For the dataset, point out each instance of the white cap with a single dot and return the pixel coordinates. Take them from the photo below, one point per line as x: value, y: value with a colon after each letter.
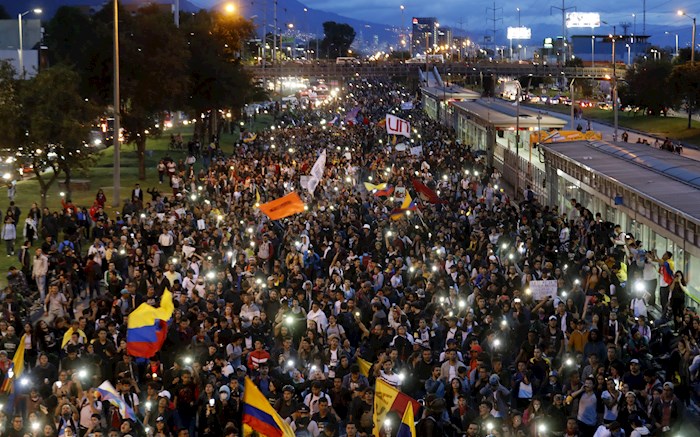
x: 165, y: 394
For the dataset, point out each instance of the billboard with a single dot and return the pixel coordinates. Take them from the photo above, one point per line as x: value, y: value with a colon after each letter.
x: 519, y: 33
x: 582, y: 19
x: 548, y: 43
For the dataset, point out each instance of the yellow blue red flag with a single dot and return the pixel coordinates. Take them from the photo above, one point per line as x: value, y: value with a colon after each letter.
x: 408, y: 425
x: 259, y: 416
x: 148, y: 327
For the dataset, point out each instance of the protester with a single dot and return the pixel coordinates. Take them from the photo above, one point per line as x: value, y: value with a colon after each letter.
x: 422, y: 280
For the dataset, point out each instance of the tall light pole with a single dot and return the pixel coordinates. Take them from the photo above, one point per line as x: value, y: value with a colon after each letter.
x: 519, y: 91
x: 692, y: 48
x: 116, y: 170
x: 176, y: 13
x: 692, y: 61
x: 21, y: 38
x: 629, y: 54
x: 402, y: 34
x: 518, y: 9
x: 592, y: 50
x: 614, y: 85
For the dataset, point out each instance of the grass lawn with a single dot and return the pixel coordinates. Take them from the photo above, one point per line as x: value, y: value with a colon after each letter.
x: 673, y: 127
x: 100, y: 176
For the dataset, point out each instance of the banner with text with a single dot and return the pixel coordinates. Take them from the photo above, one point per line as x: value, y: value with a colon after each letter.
x: 543, y: 289
x: 397, y: 126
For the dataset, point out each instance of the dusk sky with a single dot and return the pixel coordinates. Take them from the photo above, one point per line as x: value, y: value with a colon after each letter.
x: 661, y: 14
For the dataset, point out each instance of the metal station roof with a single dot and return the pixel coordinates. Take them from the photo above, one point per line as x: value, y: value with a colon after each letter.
x: 502, y: 115
x: 669, y: 179
x: 450, y: 92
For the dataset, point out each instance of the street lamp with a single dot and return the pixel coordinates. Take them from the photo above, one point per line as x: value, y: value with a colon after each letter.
x: 230, y: 8
x: 402, y: 35
x: 629, y: 54
x: 518, y: 9
x: 592, y: 50
x: 116, y: 164
x: 692, y: 49
x: 21, y: 38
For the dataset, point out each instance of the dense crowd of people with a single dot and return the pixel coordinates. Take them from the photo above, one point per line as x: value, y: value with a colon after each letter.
x: 437, y: 301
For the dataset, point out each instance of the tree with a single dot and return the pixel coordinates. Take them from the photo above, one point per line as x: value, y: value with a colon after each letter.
x: 217, y: 78
x: 56, y: 121
x: 10, y: 106
x: 70, y: 36
x: 153, y: 75
x: 646, y: 86
x: 337, y: 38
x: 685, y: 87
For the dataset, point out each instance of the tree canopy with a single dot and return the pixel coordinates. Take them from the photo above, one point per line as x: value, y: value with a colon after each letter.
x: 647, y: 86
x: 337, y: 39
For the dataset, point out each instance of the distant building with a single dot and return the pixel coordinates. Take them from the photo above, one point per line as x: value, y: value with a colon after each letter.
x: 424, y: 29
x: 31, y: 42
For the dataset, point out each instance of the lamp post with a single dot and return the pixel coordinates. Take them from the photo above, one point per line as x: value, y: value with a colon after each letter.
x: 692, y: 61
x: 518, y: 9
x: 692, y: 50
x: 629, y: 55
x: 614, y: 87
x: 21, y: 38
x: 519, y: 91
x: 116, y: 170
x: 402, y: 34
x: 592, y: 50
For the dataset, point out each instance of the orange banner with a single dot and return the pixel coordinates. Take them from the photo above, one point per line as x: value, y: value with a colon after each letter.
x: 563, y: 136
x: 283, y: 207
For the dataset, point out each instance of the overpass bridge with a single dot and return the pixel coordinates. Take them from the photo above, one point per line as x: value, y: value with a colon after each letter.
x: 323, y: 70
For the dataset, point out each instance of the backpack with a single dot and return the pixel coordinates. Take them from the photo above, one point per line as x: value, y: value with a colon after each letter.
x: 429, y: 427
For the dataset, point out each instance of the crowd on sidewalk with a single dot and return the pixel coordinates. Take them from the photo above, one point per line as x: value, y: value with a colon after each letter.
x: 438, y: 300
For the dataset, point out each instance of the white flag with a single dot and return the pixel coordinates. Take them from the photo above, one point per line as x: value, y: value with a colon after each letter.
x: 317, y: 173
x: 397, y: 126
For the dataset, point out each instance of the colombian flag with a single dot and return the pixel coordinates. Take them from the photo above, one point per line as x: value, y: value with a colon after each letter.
x: 408, y: 425
x: 283, y: 207
x: 148, y: 327
x: 666, y: 270
x: 375, y: 188
x: 386, y: 192
x: 407, y: 205
x: 16, y: 367
x: 259, y: 416
x: 387, y: 398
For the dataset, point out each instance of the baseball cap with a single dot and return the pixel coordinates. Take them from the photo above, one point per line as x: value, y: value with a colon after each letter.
x: 365, y: 226
x: 164, y: 394
x: 552, y: 317
x: 668, y: 385
x: 494, y: 379
x: 634, y: 361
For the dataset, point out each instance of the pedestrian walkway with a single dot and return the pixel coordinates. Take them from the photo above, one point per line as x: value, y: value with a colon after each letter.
x: 608, y: 132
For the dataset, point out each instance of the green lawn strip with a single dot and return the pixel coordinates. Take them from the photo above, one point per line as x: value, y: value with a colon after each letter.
x: 100, y: 176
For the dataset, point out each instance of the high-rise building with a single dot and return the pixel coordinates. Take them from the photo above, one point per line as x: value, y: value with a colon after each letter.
x: 424, y: 29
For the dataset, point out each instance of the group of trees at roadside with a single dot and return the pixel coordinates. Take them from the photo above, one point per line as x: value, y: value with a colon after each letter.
x: 195, y: 68
x: 658, y: 85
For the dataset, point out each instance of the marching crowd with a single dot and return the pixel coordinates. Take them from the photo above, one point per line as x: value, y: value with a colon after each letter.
x: 437, y: 300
